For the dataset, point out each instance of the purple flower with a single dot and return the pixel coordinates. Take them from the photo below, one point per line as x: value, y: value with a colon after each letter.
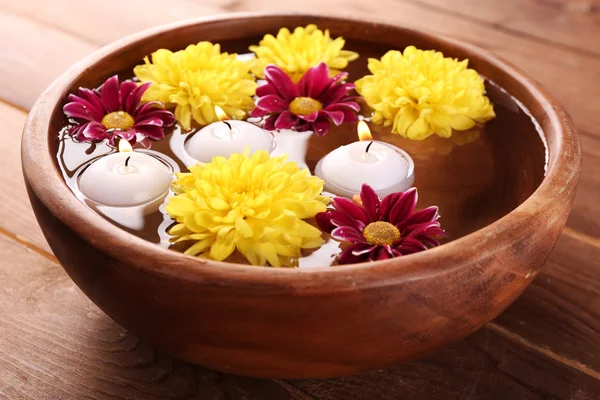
x: 311, y: 104
x: 381, y: 229
x: 114, y: 111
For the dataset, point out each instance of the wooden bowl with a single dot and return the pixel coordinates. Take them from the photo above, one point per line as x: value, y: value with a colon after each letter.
x: 299, y: 323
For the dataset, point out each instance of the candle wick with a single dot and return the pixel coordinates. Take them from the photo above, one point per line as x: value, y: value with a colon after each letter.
x: 368, y: 147
x: 127, y: 161
x: 228, y: 124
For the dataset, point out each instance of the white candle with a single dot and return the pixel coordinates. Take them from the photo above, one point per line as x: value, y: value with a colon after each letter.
x: 227, y: 137
x: 125, y: 179
x: 386, y: 168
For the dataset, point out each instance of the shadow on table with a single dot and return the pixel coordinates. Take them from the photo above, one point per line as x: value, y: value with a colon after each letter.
x: 484, y: 366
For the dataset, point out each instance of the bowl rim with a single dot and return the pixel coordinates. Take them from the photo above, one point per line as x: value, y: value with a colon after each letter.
x: 48, y: 185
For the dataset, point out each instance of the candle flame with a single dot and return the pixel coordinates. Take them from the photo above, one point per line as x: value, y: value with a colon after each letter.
x: 364, y: 133
x: 125, y: 146
x: 221, y: 115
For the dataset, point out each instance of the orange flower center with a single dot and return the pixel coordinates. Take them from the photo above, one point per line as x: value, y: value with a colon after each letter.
x: 381, y: 233
x: 305, y: 106
x: 118, y: 120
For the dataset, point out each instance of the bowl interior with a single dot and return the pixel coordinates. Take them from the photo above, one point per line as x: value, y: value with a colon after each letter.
x: 476, y: 177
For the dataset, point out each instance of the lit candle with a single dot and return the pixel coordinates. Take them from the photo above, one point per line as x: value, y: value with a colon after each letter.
x: 227, y: 137
x: 386, y: 168
x: 125, y: 179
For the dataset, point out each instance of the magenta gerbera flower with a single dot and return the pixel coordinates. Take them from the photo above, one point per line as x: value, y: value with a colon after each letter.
x: 311, y: 104
x: 114, y: 111
x: 379, y: 230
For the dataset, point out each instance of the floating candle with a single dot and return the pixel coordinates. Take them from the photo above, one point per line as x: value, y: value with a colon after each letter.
x: 227, y: 137
x: 125, y: 179
x: 386, y: 168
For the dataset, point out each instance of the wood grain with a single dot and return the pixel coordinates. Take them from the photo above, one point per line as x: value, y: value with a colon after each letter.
x: 106, y: 21
x: 561, y: 309
x: 57, y: 345
x: 556, y: 312
x: 16, y: 218
x: 30, y: 62
x: 573, y: 23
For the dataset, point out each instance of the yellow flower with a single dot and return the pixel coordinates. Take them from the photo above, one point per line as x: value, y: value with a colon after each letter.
x: 421, y: 92
x: 297, y: 52
x: 196, y: 79
x: 255, y: 204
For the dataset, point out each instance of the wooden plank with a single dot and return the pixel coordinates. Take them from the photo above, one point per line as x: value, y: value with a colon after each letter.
x: 573, y: 23
x: 16, y: 217
x: 102, y: 22
x: 57, y: 345
x: 31, y: 56
x: 586, y: 207
x: 561, y: 309
x: 484, y: 366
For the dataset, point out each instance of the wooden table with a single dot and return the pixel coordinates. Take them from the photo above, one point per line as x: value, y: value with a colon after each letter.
x: 55, y: 344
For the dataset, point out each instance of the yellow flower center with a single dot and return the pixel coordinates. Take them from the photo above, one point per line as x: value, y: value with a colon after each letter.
x: 118, y: 120
x: 381, y: 233
x: 305, y: 106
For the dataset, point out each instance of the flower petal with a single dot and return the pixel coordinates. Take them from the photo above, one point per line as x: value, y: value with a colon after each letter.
x: 109, y: 93
x: 410, y: 246
x: 133, y: 100
x: 380, y: 254
x: 339, y: 218
x: 352, y: 209
x: 345, y: 106
x: 151, y: 132
x: 404, y: 206
x: 315, y: 81
x: 336, y: 93
x: 371, y: 203
x: 337, y: 117
x: 270, y: 122
x: 323, y: 220
x: 272, y: 104
x: 387, y: 203
x: 95, y: 131
x: 428, y: 214
x: 258, y: 113
x: 346, y: 257
x: 284, y: 84
x: 151, y: 121
x: 321, y: 126
x: 124, y: 91
x: 82, y: 110
x: 415, y: 230
x: 362, y: 249
x: 286, y: 120
x: 310, y: 117
x: 167, y: 117
x: 265, y: 90
x: 92, y: 97
x: 348, y: 234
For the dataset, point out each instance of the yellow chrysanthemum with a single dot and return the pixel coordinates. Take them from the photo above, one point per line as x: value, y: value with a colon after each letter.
x: 421, y: 93
x: 196, y: 79
x: 255, y: 204
x: 297, y: 52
